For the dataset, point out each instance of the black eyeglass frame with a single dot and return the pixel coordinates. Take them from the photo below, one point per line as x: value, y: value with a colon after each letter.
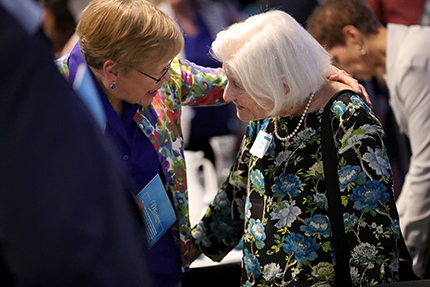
x: 159, y: 79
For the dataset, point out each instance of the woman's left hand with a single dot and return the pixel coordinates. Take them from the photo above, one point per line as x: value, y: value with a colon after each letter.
x: 345, y: 78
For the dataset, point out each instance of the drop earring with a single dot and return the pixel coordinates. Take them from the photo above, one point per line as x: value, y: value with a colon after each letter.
x: 113, y: 85
x: 361, y: 50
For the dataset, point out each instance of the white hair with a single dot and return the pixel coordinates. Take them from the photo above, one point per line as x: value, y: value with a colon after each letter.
x: 272, y: 55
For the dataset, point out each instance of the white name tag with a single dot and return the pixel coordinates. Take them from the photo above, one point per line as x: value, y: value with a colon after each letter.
x: 261, y: 144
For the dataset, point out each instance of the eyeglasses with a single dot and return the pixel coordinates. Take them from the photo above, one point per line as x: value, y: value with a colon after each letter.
x: 159, y: 79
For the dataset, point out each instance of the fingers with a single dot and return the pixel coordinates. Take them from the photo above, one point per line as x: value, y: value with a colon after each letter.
x: 365, y: 96
x: 345, y: 78
x: 336, y: 73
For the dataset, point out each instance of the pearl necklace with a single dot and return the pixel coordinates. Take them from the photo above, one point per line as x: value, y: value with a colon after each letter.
x: 298, y: 126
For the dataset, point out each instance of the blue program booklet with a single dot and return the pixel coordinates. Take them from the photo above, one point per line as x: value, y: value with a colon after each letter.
x: 158, y: 213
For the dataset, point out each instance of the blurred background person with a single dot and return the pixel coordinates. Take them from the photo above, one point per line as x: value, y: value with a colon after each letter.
x: 361, y: 45
x: 398, y: 11
x: 60, y: 18
x: 58, y: 24
x: 298, y: 9
x: 68, y: 217
x: 408, y: 13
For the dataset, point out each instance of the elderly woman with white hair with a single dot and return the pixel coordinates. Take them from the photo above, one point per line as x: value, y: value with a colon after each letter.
x: 275, y: 196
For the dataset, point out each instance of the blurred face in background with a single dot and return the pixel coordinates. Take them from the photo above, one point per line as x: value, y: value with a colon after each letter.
x: 348, y: 58
x: 358, y: 56
x: 58, y: 23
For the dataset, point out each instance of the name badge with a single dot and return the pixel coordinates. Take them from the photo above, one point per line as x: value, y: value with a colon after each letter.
x: 261, y: 144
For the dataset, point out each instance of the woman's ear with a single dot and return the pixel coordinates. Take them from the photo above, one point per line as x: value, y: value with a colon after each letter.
x: 286, y: 86
x: 108, y: 70
x: 352, y: 35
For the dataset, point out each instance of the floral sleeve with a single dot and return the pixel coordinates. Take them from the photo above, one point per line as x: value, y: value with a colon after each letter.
x: 222, y: 226
x: 370, y: 215
x: 198, y: 85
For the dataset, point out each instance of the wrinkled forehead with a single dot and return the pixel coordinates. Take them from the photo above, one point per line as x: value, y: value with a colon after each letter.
x: 229, y: 71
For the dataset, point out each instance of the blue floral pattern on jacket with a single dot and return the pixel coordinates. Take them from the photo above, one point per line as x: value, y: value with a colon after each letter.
x: 284, y: 219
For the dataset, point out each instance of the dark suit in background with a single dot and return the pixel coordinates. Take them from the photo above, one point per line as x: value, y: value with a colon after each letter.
x: 66, y: 216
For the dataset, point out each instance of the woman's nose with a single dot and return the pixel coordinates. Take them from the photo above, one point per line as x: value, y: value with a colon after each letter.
x: 228, y: 94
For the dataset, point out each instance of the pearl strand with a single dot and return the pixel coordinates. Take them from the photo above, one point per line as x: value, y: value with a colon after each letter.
x: 299, y: 124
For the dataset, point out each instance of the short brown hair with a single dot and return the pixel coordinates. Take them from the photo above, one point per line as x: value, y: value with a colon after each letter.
x: 327, y: 21
x: 129, y: 32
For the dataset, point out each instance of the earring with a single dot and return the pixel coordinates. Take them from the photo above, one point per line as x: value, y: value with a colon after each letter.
x: 113, y: 85
x: 361, y: 50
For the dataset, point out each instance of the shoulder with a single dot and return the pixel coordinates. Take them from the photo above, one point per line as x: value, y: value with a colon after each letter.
x: 348, y: 101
